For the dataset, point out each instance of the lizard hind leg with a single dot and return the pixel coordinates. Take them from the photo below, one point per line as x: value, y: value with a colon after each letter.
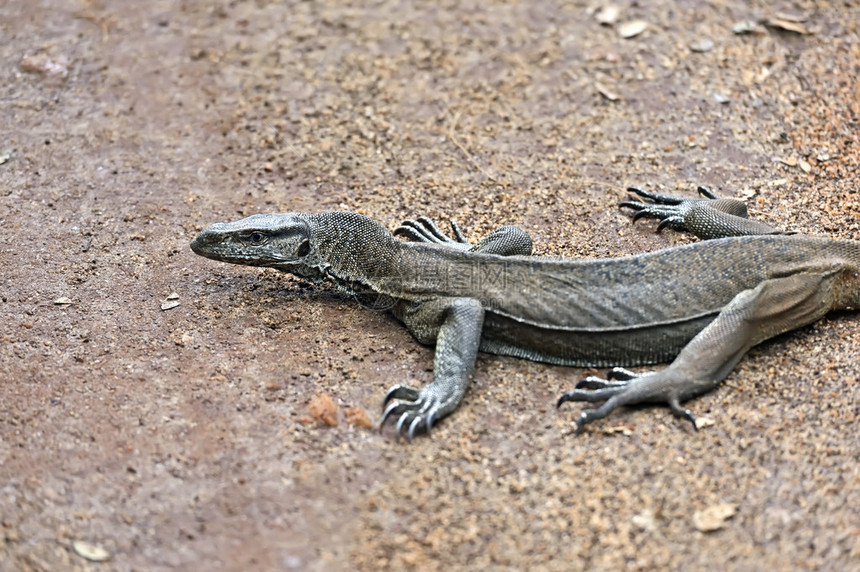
x: 632, y: 389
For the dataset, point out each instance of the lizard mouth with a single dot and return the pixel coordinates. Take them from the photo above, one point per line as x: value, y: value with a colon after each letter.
x: 212, y: 243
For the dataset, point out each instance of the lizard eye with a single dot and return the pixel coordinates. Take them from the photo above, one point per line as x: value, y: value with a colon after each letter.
x: 304, y: 248
x: 256, y: 238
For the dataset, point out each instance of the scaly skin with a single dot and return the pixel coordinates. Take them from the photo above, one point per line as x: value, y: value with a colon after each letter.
x: 700, y: 306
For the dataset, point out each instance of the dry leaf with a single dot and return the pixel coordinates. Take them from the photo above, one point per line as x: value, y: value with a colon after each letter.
x: 714, y: 517
x: 744, y: 27
x: 322, y: 408
x: 645, y: 520
x: 608, y: 15
x: 788, y: 17
x: 702, y: 45
x: 788, y: 26
x: 747, y: 193
x: 632, y: 28
x: 92, y: 552
x: 719, y: 97
x: 604, y: 91
x: 46, y: 65
x: 623, y: 429
x: 358, y: 416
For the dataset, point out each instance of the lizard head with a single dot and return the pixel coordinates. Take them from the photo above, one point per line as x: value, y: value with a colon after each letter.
x: 282, y: 241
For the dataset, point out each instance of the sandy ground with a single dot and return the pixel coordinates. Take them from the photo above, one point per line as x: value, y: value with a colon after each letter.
x: 183, y: 438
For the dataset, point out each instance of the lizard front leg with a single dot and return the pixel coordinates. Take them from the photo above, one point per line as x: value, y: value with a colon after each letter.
x: 711, y: 217
x: 505, y: 241
x: 454, y: 325
x: 773, y: 307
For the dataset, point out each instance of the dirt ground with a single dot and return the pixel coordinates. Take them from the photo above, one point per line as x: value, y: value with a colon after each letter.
x: 182, y: 438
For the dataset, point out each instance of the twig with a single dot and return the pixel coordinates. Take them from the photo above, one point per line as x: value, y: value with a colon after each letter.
x: 465, y: 151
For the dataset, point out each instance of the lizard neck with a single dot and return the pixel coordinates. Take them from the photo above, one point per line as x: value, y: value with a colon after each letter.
x: 355, y: 252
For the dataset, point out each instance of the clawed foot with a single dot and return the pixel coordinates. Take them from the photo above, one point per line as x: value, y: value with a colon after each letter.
x: 423, y: 229
x: 415, y: 410
x: 621, y: 387
x: 670, y: 210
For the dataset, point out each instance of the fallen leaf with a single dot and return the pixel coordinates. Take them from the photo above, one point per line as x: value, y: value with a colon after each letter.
x: 604, y: 91
x: 608, y: 15
x: 46, y: 65
x: 790, y: 161
x: 632, y: 28
x: 789, y: 17
x: 89, y: 551
x: 747, y: 193
x: 6, y: 155
x: 714, y: 517
x: 645, y: 520
x: 358, y: 416
x: 623, y: 429
x: 702, y: 45
x: 787, y: 25
x: 322, y: 408
x: 719, y: 97
x: 744, y: 27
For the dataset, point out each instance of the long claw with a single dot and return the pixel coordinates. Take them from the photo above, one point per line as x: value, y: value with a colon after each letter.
x: 392, y: 407
x: 458, y: 233
x: 706, y: 192
x: 564, y: 398
x: 412, y: 426
x: 580, y: 423
x: 658, y: 198
x: 640, y: 214
x: 431, y: 228
x: 401, y: 421
x: 636, y: 205
x: 675, y: 405
x: 403, y: 392
x: 431, y: 418
x: 692, y: 418
x: 663, y: 224
x: 409, y: 233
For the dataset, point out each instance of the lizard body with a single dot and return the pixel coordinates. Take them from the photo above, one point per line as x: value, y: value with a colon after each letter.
x: 704, y: 304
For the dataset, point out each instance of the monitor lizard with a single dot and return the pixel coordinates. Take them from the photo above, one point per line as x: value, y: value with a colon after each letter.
x: 699, y: 306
